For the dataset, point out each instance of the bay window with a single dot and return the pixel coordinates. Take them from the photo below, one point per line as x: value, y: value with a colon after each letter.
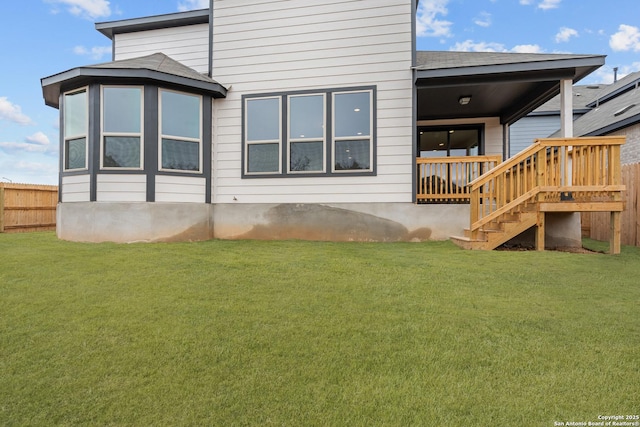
x: 121, y: 127
x: 180, y: 131
x: 75, y: 130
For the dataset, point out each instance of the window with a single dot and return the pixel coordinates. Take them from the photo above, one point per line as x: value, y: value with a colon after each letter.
x: 326, y: 132
x: 352, y: 131
x: 75, y: 130
x: 306, y: 133
x: 180, y: 131
x: 121, y: 127
x: 262, y: 130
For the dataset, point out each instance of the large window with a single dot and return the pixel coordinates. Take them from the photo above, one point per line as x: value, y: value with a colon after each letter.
x: 352, y: 131
x: 180, y: 131
x: 75, y: 130
x: 263, y: 135
x: 325, y: 132
x: 121, y: 127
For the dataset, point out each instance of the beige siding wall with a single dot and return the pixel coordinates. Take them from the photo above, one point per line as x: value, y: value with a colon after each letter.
x: 75, y: 188
x: 275, y: 46
x: 121, y: 188
x: 188, y: 45
x: 182, y: 189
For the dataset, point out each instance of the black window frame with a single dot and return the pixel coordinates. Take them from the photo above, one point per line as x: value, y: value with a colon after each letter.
x: 328, y: 140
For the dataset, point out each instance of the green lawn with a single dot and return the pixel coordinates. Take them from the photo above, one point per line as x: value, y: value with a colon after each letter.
x: 307, y: 333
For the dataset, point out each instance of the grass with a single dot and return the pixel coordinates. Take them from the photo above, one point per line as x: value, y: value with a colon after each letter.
x: 310, y: 333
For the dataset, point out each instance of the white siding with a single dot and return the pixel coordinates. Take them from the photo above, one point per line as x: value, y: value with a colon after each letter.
x: 121, y: 188
x: 75, y: 188
x: 278, y: 46
x: 188, y: 45
x: 180, y: 189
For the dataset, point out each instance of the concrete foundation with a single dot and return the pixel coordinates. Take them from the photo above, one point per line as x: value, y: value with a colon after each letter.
x: 376, y: 222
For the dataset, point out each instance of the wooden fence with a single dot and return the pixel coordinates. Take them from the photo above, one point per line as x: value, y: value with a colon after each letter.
x: 26, y: 207
x: 596, y: 225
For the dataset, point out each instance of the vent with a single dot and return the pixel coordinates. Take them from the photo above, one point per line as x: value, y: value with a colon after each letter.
x: 624, y: 110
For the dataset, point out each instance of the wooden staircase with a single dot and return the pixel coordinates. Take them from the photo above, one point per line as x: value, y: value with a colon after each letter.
x: 552, y: 175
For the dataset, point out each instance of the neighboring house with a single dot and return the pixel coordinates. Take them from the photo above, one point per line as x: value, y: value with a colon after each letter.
x: 545, y: 120
x: 616, y: 111
x: 297, y: 119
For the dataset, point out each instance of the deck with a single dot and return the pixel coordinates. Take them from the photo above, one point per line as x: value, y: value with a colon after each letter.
x: 552, y: 175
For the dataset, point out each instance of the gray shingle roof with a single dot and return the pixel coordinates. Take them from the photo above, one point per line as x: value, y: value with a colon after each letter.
x: 619, y: 112
x: 434, y: 60
x: 158, y: 68
x: 156, y: 62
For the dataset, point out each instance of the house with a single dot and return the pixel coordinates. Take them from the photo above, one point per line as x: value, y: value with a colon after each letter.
x: 298, y: 119
x: 545, y: 120
x: 593, y: 114
x: 615, y: 111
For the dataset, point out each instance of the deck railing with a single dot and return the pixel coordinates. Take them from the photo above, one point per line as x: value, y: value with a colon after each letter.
x: 446, y: 179
x: 580, y: 170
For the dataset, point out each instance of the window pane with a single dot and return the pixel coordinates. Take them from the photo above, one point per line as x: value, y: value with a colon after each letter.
x: 121, y: 152
x: 122, y: 109
x: 263, y: 158
x: 75, y: 114
x: 352, y: 155
x: 180, y: 155
x: 75, y: 152
x: 352, y: 114
x: 263, y: 119
x: 306, y: 117
x: 180, y: 115
x: 306, y: 156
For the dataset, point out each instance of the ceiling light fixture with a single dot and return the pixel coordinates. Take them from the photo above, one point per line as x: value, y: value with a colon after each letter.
x: 464, y: 100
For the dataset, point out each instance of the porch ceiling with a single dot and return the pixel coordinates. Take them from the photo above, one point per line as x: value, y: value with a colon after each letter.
x: 504, y: 85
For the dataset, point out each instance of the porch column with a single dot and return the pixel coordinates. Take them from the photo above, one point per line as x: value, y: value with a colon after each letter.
x: 566, y: 126
x: 566, y: 108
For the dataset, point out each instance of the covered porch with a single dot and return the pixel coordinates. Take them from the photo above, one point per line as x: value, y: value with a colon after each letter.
x: 508, y: 193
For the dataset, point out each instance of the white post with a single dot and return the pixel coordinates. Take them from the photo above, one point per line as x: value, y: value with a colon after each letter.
x: 566, y: 125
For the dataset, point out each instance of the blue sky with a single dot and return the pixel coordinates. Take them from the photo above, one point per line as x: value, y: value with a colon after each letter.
x: 39, y: 38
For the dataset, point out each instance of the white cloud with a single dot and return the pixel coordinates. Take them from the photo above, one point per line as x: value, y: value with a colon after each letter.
x: 13, y: 147
x: 627, y: 38
x: 96, y: 52
x: 605, y: 74
x: 527, y: 48
x: 89, y: 9
x: 13, y: 112
x: 565, y: 34
x: 471, y: 46
x: 549, y: 4
x: 38, y: 138
x: 192, y: 5
x: 543, y: 4
x: 428, y: 23
x: 483, y: 20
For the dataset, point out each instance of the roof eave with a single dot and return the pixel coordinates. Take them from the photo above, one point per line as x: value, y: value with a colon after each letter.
x: 52, y: 85
x: 156, y: 22
x: 582, y: 66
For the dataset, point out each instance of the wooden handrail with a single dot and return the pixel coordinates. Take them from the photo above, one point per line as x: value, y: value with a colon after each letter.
x: 579, y: 167
x: 445, y: 179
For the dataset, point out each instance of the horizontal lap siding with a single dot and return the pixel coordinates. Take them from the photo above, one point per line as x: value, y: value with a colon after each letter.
x: 188, y: 45
x: 121, y: 188
x: 279, y: 46
x: 180, y: 189
x: 75, y: 188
